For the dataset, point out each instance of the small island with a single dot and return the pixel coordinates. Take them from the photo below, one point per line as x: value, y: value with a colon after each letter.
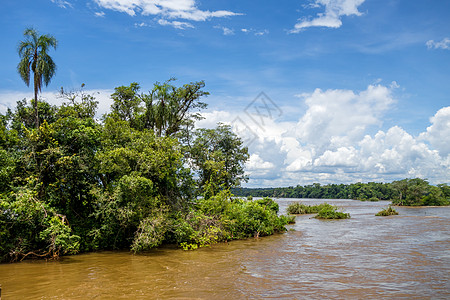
x: 389, y: 211
x: 323, y: 210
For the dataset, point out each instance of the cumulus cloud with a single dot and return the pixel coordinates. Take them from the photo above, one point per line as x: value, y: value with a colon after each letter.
x: 444, y: 44
x: 329, y: 142
x: 334, y: 10
x: 167, y: 9
x: 438, y: 134
x: 335, y: 118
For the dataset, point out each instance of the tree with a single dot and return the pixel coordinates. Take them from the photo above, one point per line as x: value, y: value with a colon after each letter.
x: 33, y: 52
x: 219, y: 156
x: 167, y: 109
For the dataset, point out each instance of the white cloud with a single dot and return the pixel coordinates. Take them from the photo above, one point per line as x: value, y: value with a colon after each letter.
x: 257, y: 163
x: 225, y: 30
x: 336, y: 118
x: 342, y: 157
x: 255, y: 32
x: 438, y: 134
x: 334, y: 10
x: 330, y: 142
x: 175, y: 24
x: 142, y: 24
x: 262, y: 32
x: 62, y: 3
x: 444, y: 44
x: 100, y: 14
x: 168, y: 9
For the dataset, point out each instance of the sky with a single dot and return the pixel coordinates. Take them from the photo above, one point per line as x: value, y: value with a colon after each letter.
x: 320, y: 91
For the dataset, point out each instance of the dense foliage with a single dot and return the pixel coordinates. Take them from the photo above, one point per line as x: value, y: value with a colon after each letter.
x: 410, y: 192
x: 140, y: 177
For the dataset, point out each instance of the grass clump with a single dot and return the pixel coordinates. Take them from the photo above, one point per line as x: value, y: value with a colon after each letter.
x: 298, y: 208
x: 387, y: 212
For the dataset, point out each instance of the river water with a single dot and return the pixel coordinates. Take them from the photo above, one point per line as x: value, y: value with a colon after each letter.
x: 365, y: 257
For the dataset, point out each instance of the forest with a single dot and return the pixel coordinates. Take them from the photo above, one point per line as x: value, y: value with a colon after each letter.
x: 138, y: 177
x: 407, y: 192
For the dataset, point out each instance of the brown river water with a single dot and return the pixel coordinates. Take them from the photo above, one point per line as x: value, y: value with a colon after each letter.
x: 365, y: 257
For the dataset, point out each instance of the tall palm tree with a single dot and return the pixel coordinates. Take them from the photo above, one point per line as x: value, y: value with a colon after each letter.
x: 33, y: 52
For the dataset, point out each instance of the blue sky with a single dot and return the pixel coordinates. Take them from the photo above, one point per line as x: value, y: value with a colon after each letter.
x: 359, y: 89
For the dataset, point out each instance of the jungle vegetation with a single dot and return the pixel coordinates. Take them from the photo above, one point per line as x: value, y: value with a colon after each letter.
x: 139, y: 177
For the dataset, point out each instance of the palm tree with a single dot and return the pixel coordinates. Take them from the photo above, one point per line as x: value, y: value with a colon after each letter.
x: 33, y: 52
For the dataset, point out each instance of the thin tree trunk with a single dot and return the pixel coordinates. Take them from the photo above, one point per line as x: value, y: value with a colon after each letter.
x: 35, y: 103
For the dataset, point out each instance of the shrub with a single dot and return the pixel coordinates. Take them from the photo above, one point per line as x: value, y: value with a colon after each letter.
x: 331, y: 213
x: 300, y: 208
x: 387, y: 212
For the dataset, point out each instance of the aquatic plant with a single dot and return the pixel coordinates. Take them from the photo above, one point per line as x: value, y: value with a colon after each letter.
x: 389, y: 211
x: 290, y: 219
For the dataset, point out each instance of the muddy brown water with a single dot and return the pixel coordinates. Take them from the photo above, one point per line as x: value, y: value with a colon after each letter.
x: 366, y: 257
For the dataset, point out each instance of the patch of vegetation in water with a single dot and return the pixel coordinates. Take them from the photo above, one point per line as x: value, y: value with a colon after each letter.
x: 290, y: 219
x: 298, y: 208
x: 389, y: 211
x: 331, y: 214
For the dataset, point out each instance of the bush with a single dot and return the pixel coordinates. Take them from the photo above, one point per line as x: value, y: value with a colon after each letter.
x: 300, y: 208
x: 331, y: 213
x: 387, y: 212
x: 221, y: 218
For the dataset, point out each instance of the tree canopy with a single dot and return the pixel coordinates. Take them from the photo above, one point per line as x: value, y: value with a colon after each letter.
x: 33, y: 52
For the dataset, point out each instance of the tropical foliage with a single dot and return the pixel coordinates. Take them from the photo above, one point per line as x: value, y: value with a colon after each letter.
x: 139, y: 178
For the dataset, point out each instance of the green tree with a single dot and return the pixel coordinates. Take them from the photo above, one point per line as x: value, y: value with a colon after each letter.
x: 33, y: 52
x: 218, y: 155
x: 169, y: 108
x: 166, y: 110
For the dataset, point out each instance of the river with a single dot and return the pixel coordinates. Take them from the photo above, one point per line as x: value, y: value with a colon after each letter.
x: 365, y: 257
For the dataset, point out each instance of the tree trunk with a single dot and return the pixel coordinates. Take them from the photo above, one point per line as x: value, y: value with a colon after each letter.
x: 35, y: 102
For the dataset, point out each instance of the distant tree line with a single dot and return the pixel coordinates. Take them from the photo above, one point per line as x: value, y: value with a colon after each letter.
x: 410, y: 192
